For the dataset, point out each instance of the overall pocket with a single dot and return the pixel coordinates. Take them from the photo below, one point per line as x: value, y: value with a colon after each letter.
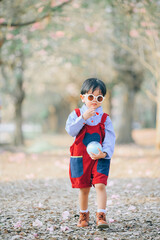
x: 103, y: 166
x: 76, y: 166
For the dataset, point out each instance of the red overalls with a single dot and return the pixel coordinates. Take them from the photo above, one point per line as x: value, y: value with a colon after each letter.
x: 85, y: 172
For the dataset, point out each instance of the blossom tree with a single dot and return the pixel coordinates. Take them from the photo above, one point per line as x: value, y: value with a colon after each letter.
x: 143, y: 42
x: 19, y: 24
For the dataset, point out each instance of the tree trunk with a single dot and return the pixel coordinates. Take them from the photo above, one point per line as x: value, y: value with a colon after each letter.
x: 107, y: 103
x: 125, y: 131
x: 19, y: 140
x: 19, y: 95
x: 158, y: 117
x: 62, y: 112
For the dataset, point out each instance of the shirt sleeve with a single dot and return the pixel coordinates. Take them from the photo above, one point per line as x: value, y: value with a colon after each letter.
x: 109, y: 140
x: 74, y: 124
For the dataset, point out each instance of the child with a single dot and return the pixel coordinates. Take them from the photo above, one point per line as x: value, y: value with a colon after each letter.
x: 88, y: 124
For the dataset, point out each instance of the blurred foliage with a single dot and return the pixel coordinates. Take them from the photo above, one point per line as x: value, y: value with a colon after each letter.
x: 62, y: 42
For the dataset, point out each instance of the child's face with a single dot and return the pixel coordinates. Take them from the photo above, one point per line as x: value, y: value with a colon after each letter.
x: 95, y: 104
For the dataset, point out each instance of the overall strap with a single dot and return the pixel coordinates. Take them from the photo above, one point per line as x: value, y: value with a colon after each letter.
x: 104, y: 117
x: 81, y: 134
x: 77, y: 112
x: 102, y: 125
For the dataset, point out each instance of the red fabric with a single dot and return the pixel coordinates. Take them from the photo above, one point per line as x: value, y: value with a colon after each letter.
x: 90, y: 175
x: 77, y: 110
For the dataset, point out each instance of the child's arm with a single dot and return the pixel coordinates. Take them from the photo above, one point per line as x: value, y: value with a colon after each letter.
x: 109, y: 140
x: 74, y: 124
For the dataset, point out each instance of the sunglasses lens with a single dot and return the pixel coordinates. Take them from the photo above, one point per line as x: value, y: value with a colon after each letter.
x: 100, y: 98
x: 90, y: 97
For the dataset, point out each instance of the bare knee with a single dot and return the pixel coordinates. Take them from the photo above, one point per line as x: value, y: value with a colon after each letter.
x: 84, y: 191
x: 100, y: 187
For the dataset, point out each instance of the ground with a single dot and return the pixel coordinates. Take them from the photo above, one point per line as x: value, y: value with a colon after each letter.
x: 37, y: 201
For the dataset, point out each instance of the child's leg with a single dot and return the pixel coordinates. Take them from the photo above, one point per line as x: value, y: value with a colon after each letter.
x: 83, y: 202
x: 101, y: 201
x: 83, y: 198
x: 101, y: 195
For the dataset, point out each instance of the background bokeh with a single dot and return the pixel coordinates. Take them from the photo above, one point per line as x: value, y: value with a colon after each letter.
x: 49, y: 47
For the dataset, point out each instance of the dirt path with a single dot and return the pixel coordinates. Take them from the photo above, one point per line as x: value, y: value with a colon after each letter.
x: 36, y: 195
x: 33, y: 209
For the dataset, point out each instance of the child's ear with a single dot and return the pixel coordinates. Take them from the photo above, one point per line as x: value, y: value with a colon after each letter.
x: 82, y: 97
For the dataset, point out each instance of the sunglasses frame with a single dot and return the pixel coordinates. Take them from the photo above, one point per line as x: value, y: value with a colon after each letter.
x: 95, y: 97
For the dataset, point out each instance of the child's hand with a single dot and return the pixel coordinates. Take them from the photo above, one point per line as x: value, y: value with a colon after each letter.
x: 99, y: 155
x: 89, y: 113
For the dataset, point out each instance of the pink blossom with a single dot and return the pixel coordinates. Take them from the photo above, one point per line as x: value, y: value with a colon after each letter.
x: 50, y: 229
x: 91, y: 29
x: 142, y: 10
x: 40, y: 205
x: 18, y: 157
x: 147, y: 24
x: 129, y: 185
x: 110, y: 183
x: 76, y: 5
x: 64, y: 228
x: 148, y: 173
x: 37, y: 223
x: 132, y: 208
x: 111, y: 220
x: 130, y: 171
x: 61, y: 165
x: 109, y: 202
x: 115, y: 196
x: 56, y: 3
x: 34, y: 157
x: 152, y: 33
x: 134, y: 33
x: 9, y: 36
x: 58, y: 34
x: 2, y: 20
x: 36, y: 26
x: 11, y: 28
x: 42, y: 53
x: 18, y: 224
x: 30, y: 176
x: 35, y: 235
x: 40, y: 9
x: 65, y: 215
x: 53, y: 3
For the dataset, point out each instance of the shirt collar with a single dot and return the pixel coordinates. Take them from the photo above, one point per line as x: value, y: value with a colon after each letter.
x: 98, y: 110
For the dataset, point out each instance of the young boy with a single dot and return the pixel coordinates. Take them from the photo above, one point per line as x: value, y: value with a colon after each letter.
x: 88, y: 124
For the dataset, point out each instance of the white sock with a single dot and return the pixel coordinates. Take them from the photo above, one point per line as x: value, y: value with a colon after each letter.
x: 83, y: 211
x: 101, y: 210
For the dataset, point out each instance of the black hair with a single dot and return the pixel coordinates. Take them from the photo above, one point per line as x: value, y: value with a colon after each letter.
x: 93, y: 84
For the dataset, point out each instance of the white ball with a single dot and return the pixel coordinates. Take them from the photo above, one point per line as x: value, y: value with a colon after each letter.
x: 92, y: 147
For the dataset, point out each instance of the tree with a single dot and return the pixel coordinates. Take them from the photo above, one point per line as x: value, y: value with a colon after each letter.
x: 143, y: 17
x: 13, y: 36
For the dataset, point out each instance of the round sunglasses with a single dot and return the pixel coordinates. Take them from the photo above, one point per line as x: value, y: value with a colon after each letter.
x: 91, y: 97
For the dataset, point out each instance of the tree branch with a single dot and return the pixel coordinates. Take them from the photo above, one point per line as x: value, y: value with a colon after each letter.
x: 151, y: 96
x: 141, y: 60
x: 5, y: 24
